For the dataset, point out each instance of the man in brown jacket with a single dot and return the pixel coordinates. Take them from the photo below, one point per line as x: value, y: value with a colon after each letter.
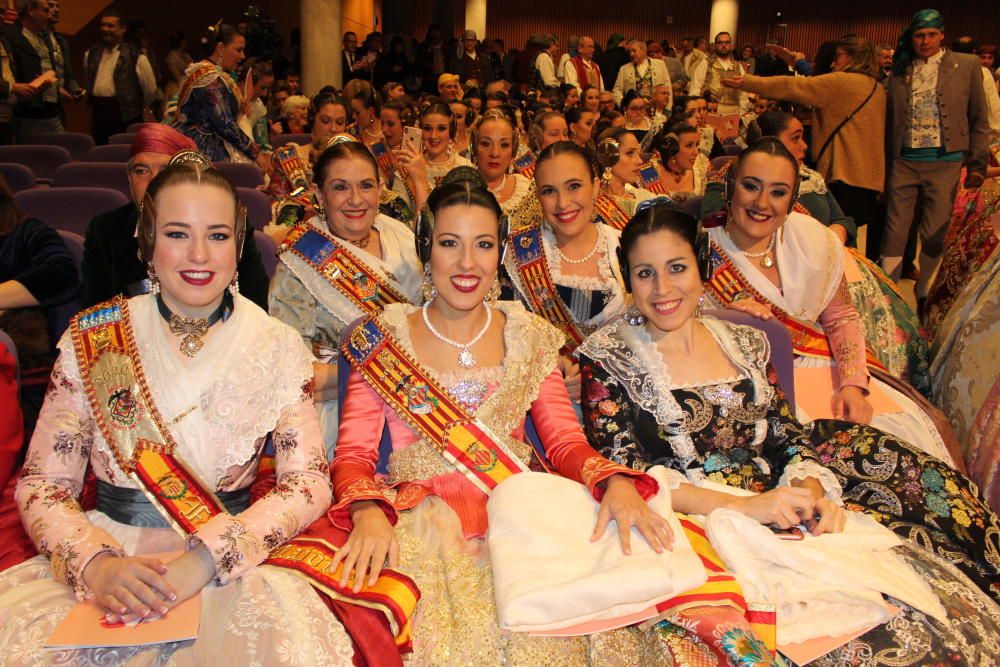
x: 937, y: 121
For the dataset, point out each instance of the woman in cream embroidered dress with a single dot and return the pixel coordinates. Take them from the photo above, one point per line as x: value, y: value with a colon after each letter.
x: 797, y: 265
x: 432, y: 522
x: 494, y: 144
x: 346, y: 181
x: 249, y: 379
x: 578, y: 251
x: 666, y: 387
x: 618, y: 152
x: 422, y: 167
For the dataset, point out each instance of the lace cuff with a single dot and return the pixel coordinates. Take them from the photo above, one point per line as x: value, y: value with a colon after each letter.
x: 805, y: 470
x: 362, y: 489
x: 597, y: 469
x: 675, y: 478
x: 69, y: 566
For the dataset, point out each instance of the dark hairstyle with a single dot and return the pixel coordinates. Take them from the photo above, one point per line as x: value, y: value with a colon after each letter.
x: 498, y: 96
x: 658, y: 215
x: 340, y: 151
x: 369, y: 98
x: 667, y: 142
x: 964, y: 44
x: 630, y: 97
x: 115, y: 14
x: 574, y: 114
x: 442, y: 108
x: 405, y: 111
x: 825, y: 55
x: 566, y: 148
x: 604, y: 122
x: 720, y: 34
x: 536, y: 129
x: 10, y: 215
x: 222, y: 33
x: 771, y: 123
x: 766, y: 145
x: 462, y: 186
x: 181, y: 174
x: 320, y: 100
x: 175, y: 39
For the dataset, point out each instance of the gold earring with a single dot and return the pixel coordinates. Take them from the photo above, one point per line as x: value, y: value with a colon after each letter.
x: 154, y: 280
x: 494, y: 293
x: 234, y: 284
x: 427, y: 288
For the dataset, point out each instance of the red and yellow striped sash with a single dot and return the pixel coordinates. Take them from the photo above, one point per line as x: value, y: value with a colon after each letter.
x: 428, y: 407
x: 610, y: 212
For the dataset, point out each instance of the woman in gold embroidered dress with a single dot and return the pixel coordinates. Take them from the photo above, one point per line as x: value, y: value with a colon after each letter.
x: 222, y: 375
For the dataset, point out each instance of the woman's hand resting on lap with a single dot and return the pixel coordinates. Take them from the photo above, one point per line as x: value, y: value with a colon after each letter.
x: 789, y: 506
x: 851, y: 404
x: 372, y: 539
x: 128, y: 587
x: 752, y: 307
x: 623, y: 504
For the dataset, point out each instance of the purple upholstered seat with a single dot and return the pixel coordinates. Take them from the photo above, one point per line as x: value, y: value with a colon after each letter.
x: 18, y: 176
x: 41, y: 160
x: 782, y: 356
x: 93, y: 175
x: 135, y: 127
x: 268, y: 252
x: 258, y: 206
x: 282, y: 139
x: 109, y: 153
x: 241, y: 174
x: 121, y: 138
x: 721, y: 161
x: 68, y: 209
x: 77, y: 143
x: 692, y: 206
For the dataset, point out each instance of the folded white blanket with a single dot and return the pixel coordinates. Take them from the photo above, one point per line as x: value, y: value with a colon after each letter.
x: 549, y: 576
x: 821, y: 586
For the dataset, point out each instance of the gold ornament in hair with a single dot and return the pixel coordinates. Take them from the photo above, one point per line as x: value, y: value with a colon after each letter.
x: 190, y: 156
x: 493, y: 114
x: 608, y: 152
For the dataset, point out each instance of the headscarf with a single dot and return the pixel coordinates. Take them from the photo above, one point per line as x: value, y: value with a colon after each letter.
x: 925, y: 18
x: 159, y: 138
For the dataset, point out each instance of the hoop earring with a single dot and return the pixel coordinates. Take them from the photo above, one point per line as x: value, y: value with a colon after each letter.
x: 494, y: 293
x: 234, y: 284
x: 634, y: 317
x: 154, y: 280
x: 427, y: 288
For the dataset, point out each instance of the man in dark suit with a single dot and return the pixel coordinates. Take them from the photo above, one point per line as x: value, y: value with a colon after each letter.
x: 110, y: 261
x: 33, y: 63
x: 937, y: 123
x: 353, y: 65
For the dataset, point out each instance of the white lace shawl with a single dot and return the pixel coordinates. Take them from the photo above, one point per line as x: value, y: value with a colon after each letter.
x: 631, y: 357
x: 234, y: 390
x: 400, y: 268
x: 522, y: 187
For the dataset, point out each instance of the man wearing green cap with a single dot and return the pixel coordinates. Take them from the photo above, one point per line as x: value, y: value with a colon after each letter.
x: 937, y: 122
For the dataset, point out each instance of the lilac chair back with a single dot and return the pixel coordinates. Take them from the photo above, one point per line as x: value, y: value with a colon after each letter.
x: 721, y: 161
x: 59, y: 316
x: 41, y: 160
x: 68, y: 209
x: 77, y: 143
x: 732, y: 150
x: 282, y: 139
x: 135, y: 127
x: 692, y: 206
x: 18, y: 176
x: 122, y: 138
x: 241, y: 174
x: 109, y: 153
x: 93, y: 175
x: 268, y: 252
x: 782, y: 355
x: 258, y: 206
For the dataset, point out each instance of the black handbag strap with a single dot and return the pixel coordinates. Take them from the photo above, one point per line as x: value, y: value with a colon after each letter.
x: 829, y: 139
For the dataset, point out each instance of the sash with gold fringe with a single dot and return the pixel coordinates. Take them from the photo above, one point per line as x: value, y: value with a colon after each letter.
x: 288, y: 163
x: 346, y: 273
x: 194, y: 80
x: 383, y: 157
x: 539, y: 289
x: 610, y: 212
x: 651, y: 179
x: 525, y: 165
x: 144, y: 449
x: 808, y: 339
x: 429, y: 408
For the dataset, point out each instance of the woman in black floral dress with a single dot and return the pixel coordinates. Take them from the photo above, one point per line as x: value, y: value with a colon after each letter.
x: 663, y: 386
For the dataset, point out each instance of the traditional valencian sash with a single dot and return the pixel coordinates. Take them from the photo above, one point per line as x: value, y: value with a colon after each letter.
x: 525, y: 165
x: 429, y: 408
x: 288, y: 162
x: 808, y: 339
x: 383, y: 156
x: 651, y: 179
x: 610, y: 212
x: 539, y: 289
x: 197, y: 78
x: 144, y: 449
x: 346, y: 273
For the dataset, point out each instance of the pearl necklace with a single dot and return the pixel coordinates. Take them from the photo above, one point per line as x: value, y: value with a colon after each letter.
x: 498, y: 189
x: 583, y: 259
x: 447, y: 161
x: 766, y: 262
x: 465, y: 359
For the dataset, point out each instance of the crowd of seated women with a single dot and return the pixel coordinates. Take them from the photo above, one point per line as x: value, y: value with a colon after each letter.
x: 502, y: 292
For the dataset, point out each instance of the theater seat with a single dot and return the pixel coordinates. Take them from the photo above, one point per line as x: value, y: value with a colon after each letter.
x: 41, y: 160
x: 59, y: 316
x: 282, y: 139
x: 110, y: 175
x: 77, y: 143
x: 258, y: 206
x: 121, y: 138
x: 18, y: 176
x: 268, y: 252
x: 782, y: 356
x: 721, y: 161
x: 69, y: 209
x: 241, y: 174
x: 109, y: 153
x: 692, y: 206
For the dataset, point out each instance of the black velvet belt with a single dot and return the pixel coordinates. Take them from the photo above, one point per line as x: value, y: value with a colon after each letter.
x: 130, y: 506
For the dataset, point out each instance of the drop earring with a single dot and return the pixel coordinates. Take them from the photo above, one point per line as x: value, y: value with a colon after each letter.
x: 494, y: 293
x: 634, y: 317
x: 154, y: 280
x: 234, y: 284
x: 427, y: 288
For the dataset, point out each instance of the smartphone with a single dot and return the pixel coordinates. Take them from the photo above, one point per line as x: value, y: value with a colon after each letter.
x: 793, y: 533
x: 415, y: 135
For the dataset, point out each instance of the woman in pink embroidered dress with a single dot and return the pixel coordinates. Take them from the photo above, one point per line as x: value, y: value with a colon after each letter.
x: 247, y: 376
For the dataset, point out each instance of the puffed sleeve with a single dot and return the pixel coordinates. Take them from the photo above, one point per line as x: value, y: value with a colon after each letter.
x: 566, y: 445
x: 300, y: 496
x: 843, y: 326
x: 354, y: 461
x: 289, y: 301
x: 51, y: 481
x: 220, y: 116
